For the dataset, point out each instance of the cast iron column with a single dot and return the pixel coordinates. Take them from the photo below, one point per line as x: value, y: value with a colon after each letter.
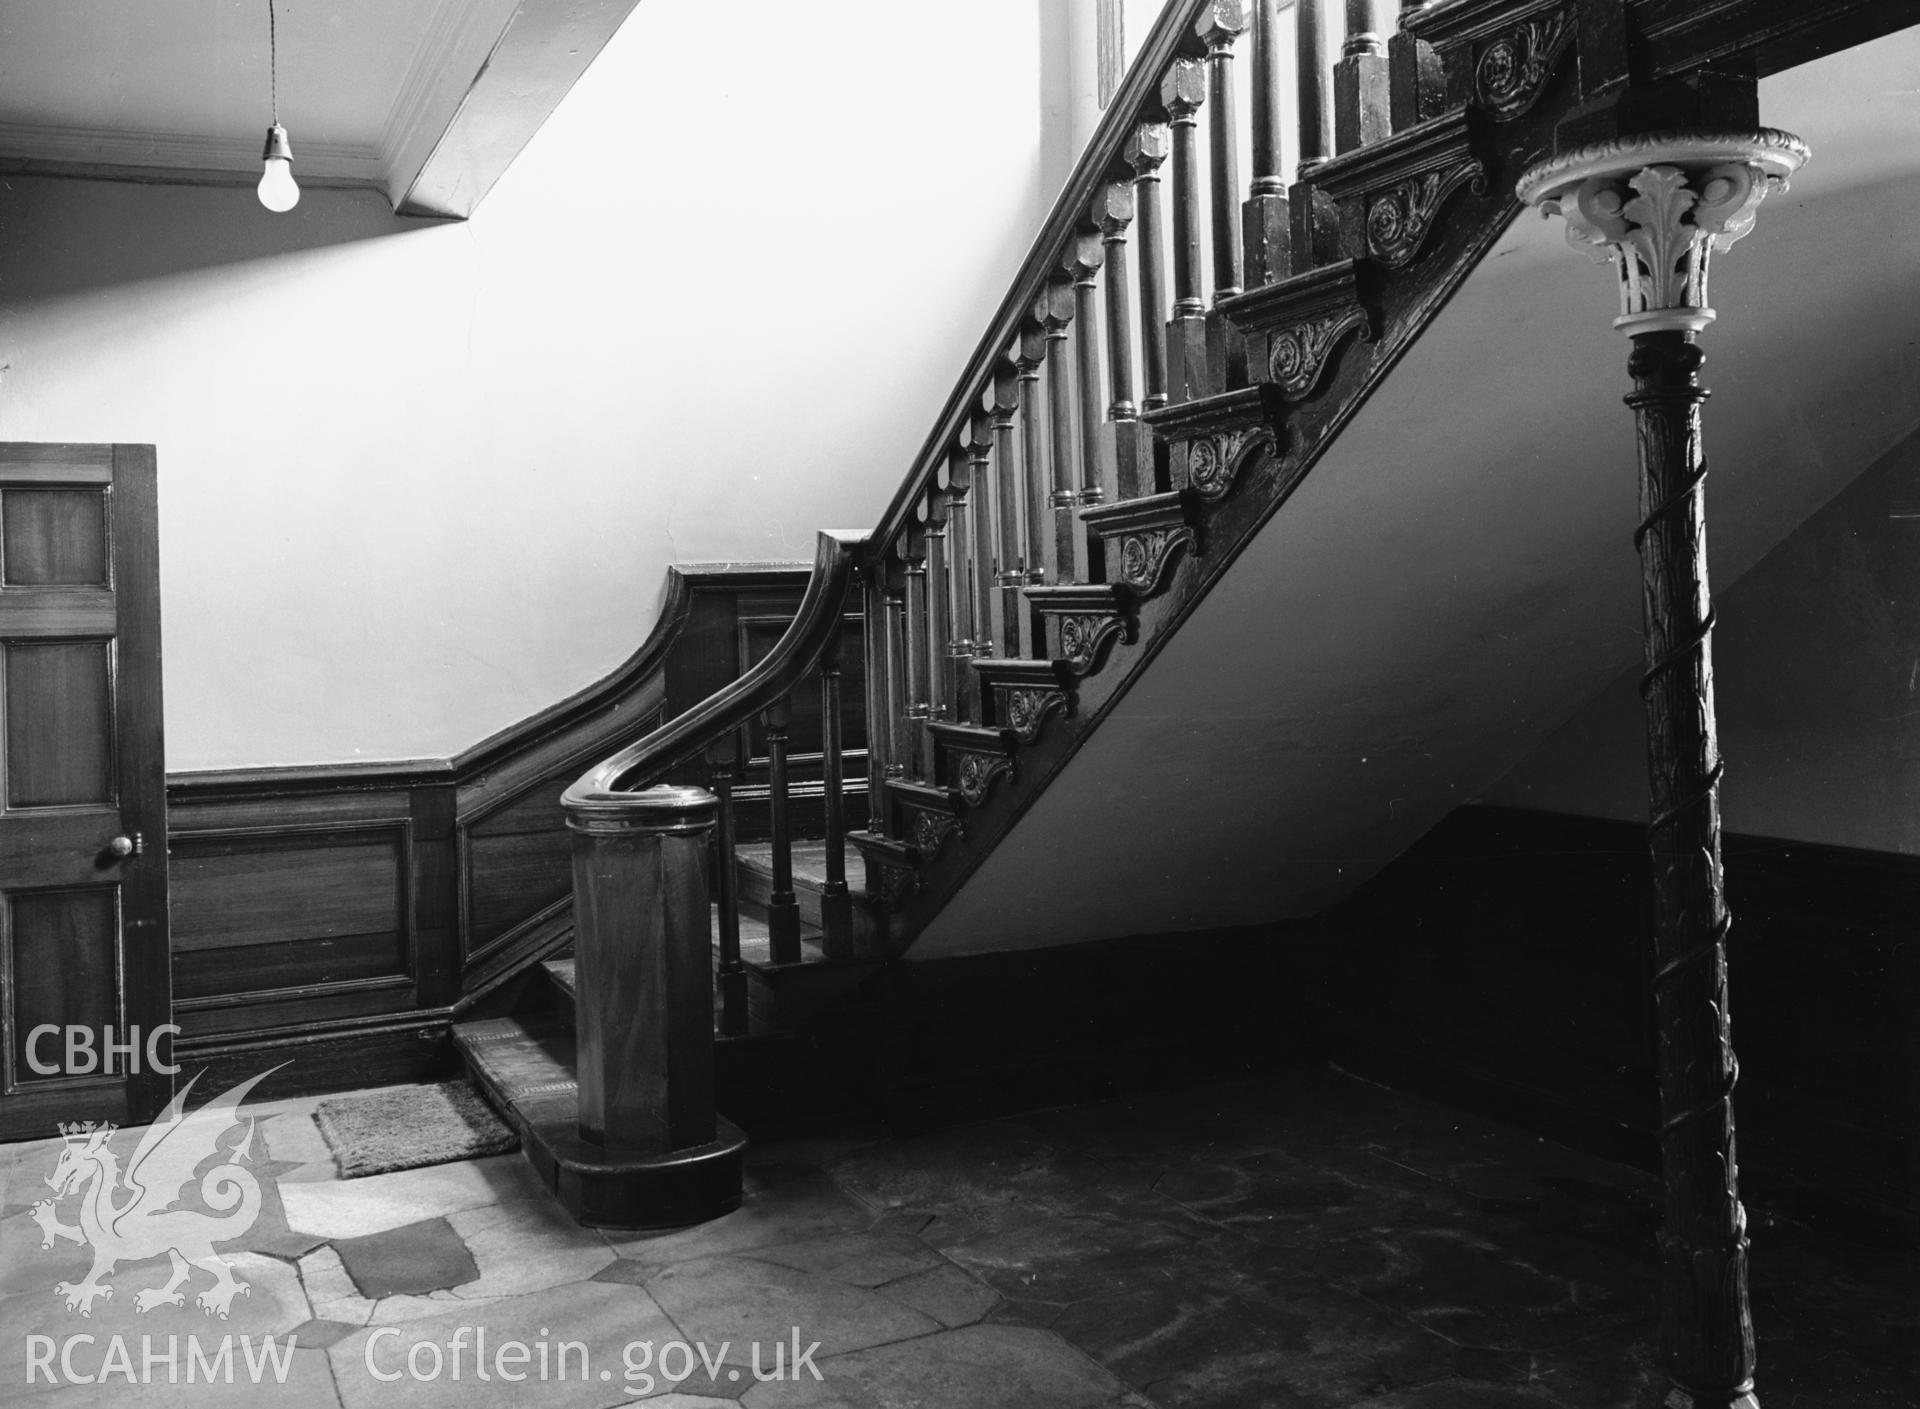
x: 1656, y: 207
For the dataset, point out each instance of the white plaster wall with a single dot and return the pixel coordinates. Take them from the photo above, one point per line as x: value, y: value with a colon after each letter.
x: 419, y: 481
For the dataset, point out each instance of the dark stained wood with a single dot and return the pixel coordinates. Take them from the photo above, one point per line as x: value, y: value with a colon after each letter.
x: 1264, y: 230
x: 1676, y: 36
x: 1008, y: 565
x: 298, y: 978
x: 836, y: 905
x: 644, y: 1004
x: 1310, y: 84
x: 1083, y: 262
x: 940, y: 636
x: 53, y: 536
x: 1706, y: 1325
x: 1362, y: 96
x: 985, y: 536
x: 1146, y: 150
x: 913, y: 558
x: 1220, y: 24
x: 485, y: 862
x: 1109, y: 641
x: 59, y: 690
x: 1053, y: 526
x: 64, y: 952
x: 730, y: 978
x: 1171, y: 34
x: 1183, y: 92
x: 83, y: 839
x: 879, y: 735
x: 232, y: 891
x: 1126, y: 448
x: 959, y: 476
x: 783, y: 913
x: 509, y: 880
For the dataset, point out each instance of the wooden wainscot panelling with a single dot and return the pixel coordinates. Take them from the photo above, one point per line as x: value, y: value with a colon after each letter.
x: 318, y: 909
x: 516, y: 864
x: 278, y: 920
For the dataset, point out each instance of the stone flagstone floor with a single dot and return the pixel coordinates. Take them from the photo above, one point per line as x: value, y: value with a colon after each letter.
x: 1304, y: 1242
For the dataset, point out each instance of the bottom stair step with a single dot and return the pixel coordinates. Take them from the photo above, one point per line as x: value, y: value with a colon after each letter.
x: 526, y: 1070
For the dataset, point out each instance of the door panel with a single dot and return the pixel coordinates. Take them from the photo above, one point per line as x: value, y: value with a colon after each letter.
x: 59, y: 690
x: 54, y: 537
x: 83, y: 859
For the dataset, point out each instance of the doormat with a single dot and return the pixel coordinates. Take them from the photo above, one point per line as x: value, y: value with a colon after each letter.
x: 410, y: 1126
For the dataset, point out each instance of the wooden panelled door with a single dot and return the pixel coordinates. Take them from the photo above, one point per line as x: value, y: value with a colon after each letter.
x: 84, y: 978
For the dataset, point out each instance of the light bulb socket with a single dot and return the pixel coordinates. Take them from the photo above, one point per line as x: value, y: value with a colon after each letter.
x: 278, y: 147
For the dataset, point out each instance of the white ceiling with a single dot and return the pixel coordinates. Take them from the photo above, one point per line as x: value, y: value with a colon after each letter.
x: 369, y: 89
x: 1457, y: 576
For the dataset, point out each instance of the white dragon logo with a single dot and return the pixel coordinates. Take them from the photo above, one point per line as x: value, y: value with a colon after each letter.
x: 145, y: 1224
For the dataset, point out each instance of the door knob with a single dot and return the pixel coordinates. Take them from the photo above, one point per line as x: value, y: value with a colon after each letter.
x: 127, y: 846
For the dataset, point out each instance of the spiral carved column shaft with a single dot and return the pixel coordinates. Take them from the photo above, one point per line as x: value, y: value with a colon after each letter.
x: 1706, y: 1328
x: 1656, y: 206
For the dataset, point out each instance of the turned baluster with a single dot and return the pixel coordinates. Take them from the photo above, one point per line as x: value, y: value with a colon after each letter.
x: 783, y: 908
x: 1146, y: 148
x: 960, y: 527
x: 1310, y: 73
x: 1313, y: 234
x: 899, y: 721
x: 1030, y: 358
x: 731, y: 980
x: 1127, y: 444
x: 1220, y: 24
x: 836, y: 904
x: 913, y: 557
x: 1182, y: 91
x: 980, y: 461
x: 1083, y: 261
x: 1264, y: 216
x: 874, y: 641
x: 939, y: 608
x: 1055, y: 307
x: 1010, y: 573
x: 1362, y: 100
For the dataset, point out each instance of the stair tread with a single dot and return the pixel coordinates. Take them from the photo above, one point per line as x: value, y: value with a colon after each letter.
x: 809, y: 867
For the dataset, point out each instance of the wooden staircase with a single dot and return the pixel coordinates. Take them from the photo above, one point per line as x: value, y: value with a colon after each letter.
x: 1065, y: 516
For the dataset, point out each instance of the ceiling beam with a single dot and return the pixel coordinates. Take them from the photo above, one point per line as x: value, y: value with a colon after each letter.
x: 540, y: 53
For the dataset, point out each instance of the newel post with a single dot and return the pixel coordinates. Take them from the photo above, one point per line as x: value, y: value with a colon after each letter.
x: 644, y: 1019
x: 1657, y: 206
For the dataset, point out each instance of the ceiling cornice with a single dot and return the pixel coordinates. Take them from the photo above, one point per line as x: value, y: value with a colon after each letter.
x: 483, y: 77
x: 177, y: 156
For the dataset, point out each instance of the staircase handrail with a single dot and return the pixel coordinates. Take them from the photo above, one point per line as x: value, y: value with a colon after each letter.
x: 815, y: 626
x: 1136, y: 100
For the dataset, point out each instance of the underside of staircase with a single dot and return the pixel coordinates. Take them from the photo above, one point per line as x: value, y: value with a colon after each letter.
x: 1026, y: 578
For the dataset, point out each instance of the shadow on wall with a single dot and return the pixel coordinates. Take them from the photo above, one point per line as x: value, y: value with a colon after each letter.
x: 134, y: 231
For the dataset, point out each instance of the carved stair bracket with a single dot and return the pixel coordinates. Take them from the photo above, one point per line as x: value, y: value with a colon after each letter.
x: 1143, y: 536
x: 972, y: 758
x: 1086, y: 620
x: 1022, y: 694
x: 1217, y: 437
x: 1302, y: 321
x: 976, y: 774
x: 1391, y: 193
x: 924, y: 817
x: 930, y: 832
x: 1501, y: 56
x: 1026, y: 708
x: 892, y: 873
x: 1511, y: 71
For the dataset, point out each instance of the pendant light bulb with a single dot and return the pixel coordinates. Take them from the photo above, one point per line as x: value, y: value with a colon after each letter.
x: 278, y: 190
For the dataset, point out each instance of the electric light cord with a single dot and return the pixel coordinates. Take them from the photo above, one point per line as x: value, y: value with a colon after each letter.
x: 273, y: 62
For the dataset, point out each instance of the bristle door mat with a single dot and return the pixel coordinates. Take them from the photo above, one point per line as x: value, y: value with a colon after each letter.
x: 406, y: 1127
